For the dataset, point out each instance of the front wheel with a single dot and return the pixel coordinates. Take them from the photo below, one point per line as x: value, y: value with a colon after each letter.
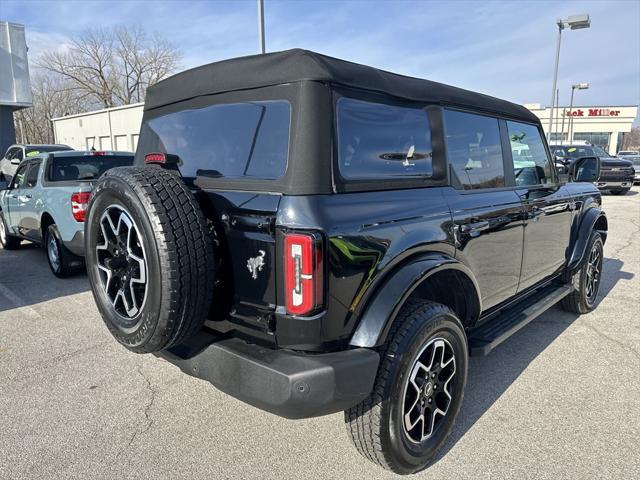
x: 417, y: 394
x: 8, y: 241
x: 586, y: 281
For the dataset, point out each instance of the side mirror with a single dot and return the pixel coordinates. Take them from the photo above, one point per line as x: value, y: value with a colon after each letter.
x: 4, y: 185
x: 585, y: 169
x: 15, y: 161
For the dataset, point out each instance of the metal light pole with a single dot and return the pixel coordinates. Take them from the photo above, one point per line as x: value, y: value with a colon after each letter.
x: 261, y: 25
x: 574, y: 22
x: 579, y: 86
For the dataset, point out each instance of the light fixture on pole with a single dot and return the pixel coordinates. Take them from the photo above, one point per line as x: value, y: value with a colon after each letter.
x: 574, y: 22
x: 261, y: 25
x: 579, y: 86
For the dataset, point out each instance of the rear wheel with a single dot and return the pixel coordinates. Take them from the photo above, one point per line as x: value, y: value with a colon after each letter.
x: 418, y: 391
x: 8, y: 241
x: 62, y: 262
x: 149, y: 257
x: 586, y: 281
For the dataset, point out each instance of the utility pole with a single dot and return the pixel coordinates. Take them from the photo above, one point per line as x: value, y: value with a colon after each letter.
x: 261, y: 25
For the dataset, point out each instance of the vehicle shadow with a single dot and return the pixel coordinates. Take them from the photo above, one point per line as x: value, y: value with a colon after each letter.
x: 25, y: 279
x: 489, y: 377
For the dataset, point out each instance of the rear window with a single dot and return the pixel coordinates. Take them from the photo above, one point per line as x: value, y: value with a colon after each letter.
x: 249, y: 139
x: 86, y: 167
x: 377, y: 140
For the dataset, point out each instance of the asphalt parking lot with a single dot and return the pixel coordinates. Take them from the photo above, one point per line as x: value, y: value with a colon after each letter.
x: 561, y: 399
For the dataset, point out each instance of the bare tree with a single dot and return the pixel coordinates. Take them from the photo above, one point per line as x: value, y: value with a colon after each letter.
x: 52, y: 97
x: 632, y: 140
x: 113, y: 67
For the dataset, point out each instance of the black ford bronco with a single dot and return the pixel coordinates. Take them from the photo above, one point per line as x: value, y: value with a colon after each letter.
x: 312, y: 235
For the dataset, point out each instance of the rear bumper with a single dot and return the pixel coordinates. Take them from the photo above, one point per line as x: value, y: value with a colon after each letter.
x: 283, y: 382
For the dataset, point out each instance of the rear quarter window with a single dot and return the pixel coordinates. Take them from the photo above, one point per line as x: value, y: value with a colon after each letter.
x: 238, y: 140
x: 377, y: 141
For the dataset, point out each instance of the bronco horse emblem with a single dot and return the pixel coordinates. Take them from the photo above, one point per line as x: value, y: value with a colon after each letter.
x: 255, y: 264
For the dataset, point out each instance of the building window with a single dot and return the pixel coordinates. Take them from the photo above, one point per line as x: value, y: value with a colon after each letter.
x: 594, y: 138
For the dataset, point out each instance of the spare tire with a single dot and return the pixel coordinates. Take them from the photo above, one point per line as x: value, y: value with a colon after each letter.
x: 149, y: 257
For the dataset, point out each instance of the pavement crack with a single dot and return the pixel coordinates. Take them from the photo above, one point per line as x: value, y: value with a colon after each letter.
x: 147, y: 413
x: 628, y: 242
x: 624, y: 346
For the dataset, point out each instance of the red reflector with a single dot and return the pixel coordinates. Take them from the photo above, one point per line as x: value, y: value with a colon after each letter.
x: 155, y: 158
x: 79, y: 203
x: 304, y: 284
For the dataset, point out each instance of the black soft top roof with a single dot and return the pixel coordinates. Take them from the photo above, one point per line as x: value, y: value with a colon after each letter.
x: 299, y: 65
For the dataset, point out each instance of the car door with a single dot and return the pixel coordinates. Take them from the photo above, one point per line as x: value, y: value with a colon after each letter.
x: 29, y: 223
x: 487, y: 212
x: 547, y: 204
x: 14, y: 211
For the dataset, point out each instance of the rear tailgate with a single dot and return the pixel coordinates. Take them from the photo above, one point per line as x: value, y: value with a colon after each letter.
x: 246, y: 247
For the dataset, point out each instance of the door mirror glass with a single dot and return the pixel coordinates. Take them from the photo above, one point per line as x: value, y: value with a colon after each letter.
x: 585, y: 169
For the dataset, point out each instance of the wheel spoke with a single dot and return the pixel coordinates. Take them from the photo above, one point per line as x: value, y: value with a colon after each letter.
x: 121, y: 262
x: 426, y: 395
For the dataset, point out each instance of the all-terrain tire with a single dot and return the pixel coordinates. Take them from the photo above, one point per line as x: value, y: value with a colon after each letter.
x: 8, y: 241
x: 581, y: 300
x: 61, y: 261
x: 375, y: 425
x: 171, y: 236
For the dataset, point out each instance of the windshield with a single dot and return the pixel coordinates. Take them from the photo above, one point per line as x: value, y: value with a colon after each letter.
x: 88, y: 167
x: 31, y: 151
x: 600, y: 152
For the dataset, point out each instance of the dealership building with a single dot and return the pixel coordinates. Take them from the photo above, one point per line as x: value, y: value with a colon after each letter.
x: 118, y: 128
x: 600, y: 125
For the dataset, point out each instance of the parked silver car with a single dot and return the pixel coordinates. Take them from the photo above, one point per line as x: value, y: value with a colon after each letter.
x: 18, y: 152
x: 46, y: 201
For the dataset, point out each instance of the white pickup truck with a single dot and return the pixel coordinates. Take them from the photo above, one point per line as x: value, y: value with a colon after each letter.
x: 45, y: 203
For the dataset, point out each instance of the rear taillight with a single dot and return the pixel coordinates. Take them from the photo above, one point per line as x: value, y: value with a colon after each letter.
x: 79, y: 203
x: 303, y: 273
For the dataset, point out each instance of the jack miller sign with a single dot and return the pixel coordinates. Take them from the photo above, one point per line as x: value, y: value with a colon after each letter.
x: 592, y: 112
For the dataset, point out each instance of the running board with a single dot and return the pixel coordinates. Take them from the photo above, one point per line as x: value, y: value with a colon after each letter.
x: 489, y: 335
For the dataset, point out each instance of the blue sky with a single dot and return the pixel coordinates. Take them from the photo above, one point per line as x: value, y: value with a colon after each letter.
x: 502, y: 48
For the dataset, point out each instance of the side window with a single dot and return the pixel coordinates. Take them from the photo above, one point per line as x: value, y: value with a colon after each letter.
x: 474, y: 150
x: 18, y: 178
x: 377, y: 140
x: 11, y: 152
x: 19, y: 154
x: 32, y: 175
x: 531, y: 165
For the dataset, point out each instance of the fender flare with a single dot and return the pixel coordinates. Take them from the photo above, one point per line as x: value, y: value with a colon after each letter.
x: 588, y: 223
x: 381, y: 311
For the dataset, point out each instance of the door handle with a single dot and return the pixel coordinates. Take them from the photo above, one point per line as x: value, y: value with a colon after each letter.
x: 474, y: 227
